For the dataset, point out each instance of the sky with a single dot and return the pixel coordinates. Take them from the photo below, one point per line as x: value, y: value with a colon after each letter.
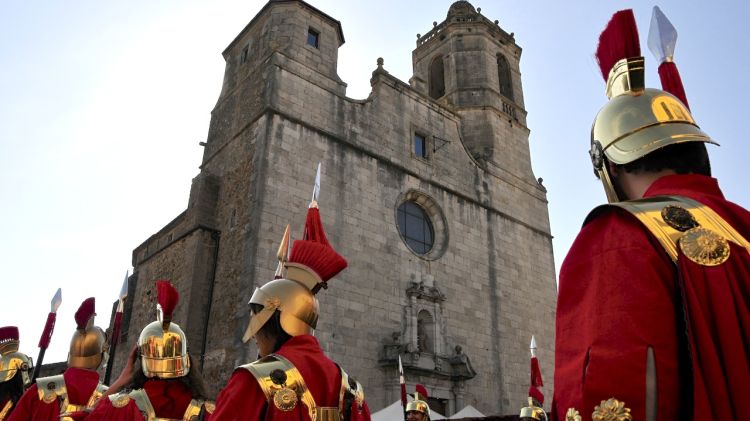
x: 103, y: 104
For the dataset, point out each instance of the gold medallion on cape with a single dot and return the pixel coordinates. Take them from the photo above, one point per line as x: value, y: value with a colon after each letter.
x: 121, y: 400
x: 285, y: 399
x: 572, y: 415
x: 611, y: 410
x: 704, y: 247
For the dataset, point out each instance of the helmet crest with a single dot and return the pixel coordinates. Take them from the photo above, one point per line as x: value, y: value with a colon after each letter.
x: 85, y: 313
x: 618, y: 41
x: 167, y: 298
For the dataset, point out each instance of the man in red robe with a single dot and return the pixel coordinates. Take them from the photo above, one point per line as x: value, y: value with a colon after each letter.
x: 15, y: 371
x: 160, y: 380
x: 653, y: 309
x: 74, y: 393
x: 293, y: 379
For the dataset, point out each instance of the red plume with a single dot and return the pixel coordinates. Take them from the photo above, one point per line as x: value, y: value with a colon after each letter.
x: 167, y: 297
x: 85, y: 312
x: 422, y: 391
x: 321, y: 258
x: 619, y: 40
x: 314, y: 227
x: 315, y: 252
x: 8, y: 333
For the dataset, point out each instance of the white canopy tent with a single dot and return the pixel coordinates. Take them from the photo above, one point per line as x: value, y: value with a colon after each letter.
x: 395, y: 412
x: 468, y: 412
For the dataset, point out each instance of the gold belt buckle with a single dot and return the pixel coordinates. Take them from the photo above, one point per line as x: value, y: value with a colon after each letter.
x: 327, y: 413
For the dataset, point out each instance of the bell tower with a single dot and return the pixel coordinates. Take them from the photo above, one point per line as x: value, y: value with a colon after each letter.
x: 471, y: 65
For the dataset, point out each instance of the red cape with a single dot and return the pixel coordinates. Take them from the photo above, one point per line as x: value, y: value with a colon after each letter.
x: 170, y: 399
x: 80, y: 385
x: 242, y: 398
x: 620, y: 294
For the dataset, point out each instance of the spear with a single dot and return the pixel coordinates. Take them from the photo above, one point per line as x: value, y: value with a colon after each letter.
x: 49, y: 326
x: 116, y: 328
x: 534, y: 411
x: 662, y: 38
x: 316, y: 189
x: 403, y: 384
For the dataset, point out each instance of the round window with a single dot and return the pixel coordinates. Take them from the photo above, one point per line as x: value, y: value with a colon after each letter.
x: 416, y: 228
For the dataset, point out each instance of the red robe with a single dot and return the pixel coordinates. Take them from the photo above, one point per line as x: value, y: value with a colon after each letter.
x: 619, y: 294
x: 243, y: 399
x: 80, y: 385
x: 170, y: 399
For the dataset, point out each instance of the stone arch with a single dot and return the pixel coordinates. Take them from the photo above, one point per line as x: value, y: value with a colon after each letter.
x: 437, y: 77
x: 505, y: 81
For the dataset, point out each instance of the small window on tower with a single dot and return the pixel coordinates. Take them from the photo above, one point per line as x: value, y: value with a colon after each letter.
x: 312, y: 37
x: 243, y: 56
x: 420, y: 145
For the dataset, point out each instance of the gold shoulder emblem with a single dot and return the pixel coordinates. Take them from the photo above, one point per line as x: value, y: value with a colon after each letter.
x: 704, y: 247
x: 210, y: 407
x: 678, y: 218
x: 120, y: 400
x: 611, y: 410
x: 285, y: 399
x: 572, y: 415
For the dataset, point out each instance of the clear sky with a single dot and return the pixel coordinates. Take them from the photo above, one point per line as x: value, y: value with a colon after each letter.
x: 102, y: 106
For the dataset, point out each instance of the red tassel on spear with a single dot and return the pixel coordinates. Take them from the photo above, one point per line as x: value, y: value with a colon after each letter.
x: 402, y: 381
x: 113, y: 341
x: 536, y: 375
x: 662, y: 38
x: 49, y: 327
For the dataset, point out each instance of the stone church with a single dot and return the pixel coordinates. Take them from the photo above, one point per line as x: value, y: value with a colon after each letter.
x: 426, y: 188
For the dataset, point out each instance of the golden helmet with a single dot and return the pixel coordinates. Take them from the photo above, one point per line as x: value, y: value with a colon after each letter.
x: 88, y: 346
x: 162, y: 344
x: 12, y: 361
x: 418, y: 405
x: 311, y: 263
x: 637, y: 120
x: 533, y: 412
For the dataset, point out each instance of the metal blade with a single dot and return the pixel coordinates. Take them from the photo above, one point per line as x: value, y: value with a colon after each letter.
x: 316, y: 188
x: 532, y: 346
x: 56, y: 301
x: 283, y: 252
x: 124, y: 289
x: 662, y: 36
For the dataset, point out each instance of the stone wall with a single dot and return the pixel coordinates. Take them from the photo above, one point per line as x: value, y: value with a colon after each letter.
x: 278, y: 115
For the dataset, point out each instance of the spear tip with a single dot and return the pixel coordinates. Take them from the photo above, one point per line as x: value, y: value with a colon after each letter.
x: 56, y: 301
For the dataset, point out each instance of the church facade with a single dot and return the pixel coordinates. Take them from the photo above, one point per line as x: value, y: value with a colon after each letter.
x: 426, y: 189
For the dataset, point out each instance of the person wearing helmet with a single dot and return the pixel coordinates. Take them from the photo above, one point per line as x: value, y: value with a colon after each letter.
x: 161, y: 382
x: 417, y: 410
x: 654, y: 295
x: 293, y: 379
x: 73, y: 394
x: 15, y: 370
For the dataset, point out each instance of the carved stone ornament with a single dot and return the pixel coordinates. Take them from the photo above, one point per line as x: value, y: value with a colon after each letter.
x: 704, y: 247
x: 611, y: 410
